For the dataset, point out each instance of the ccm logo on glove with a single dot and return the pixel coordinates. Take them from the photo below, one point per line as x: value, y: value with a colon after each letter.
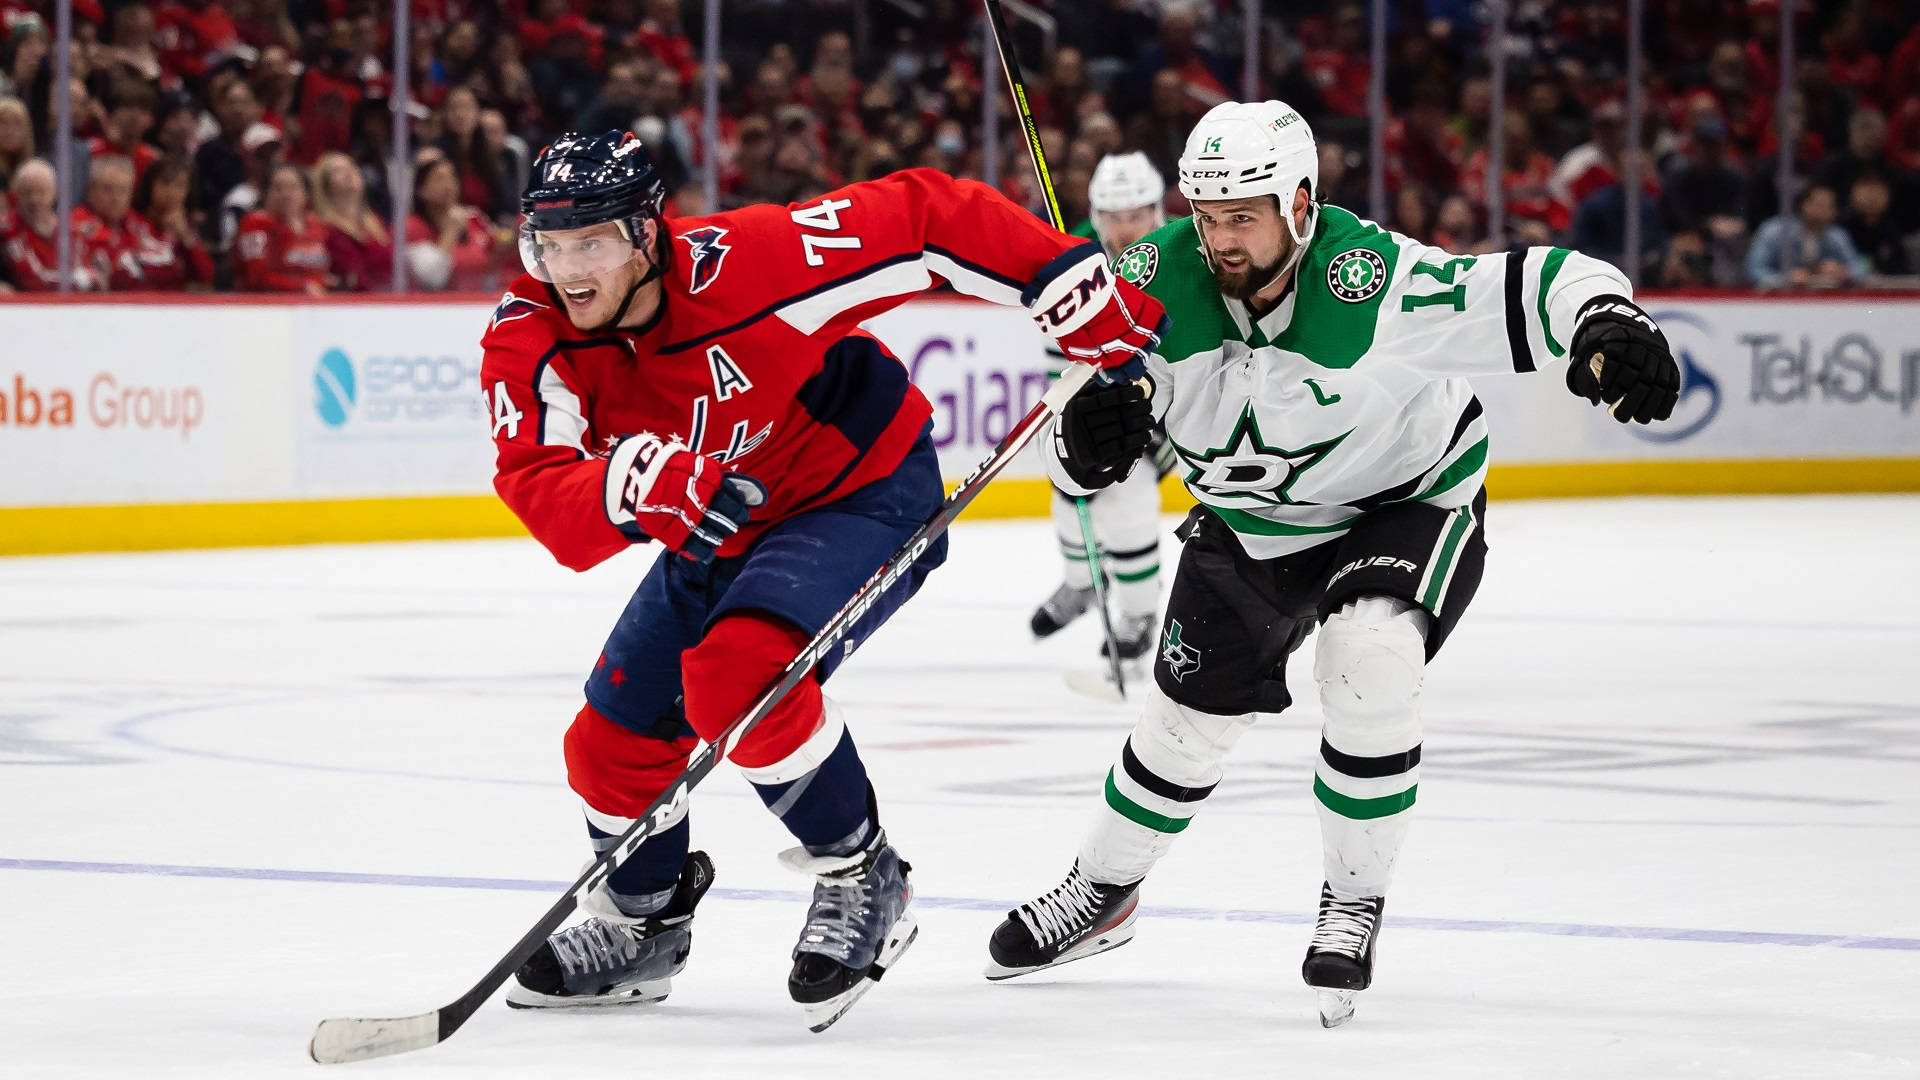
x: 1095, y: 317
x: 660, y: 489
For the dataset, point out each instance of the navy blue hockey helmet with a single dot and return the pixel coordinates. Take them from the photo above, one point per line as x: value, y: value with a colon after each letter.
x: 582, y: 180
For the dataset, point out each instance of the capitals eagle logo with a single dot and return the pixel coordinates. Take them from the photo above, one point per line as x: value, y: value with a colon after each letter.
x: 707, y: 252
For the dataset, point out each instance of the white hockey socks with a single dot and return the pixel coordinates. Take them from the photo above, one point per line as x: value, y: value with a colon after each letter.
x: 1167, y: 768
x: 1370, y: 661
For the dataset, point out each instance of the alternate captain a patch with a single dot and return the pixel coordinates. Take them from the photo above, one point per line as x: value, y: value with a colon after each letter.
x: 707, y: 252
x: 1356, y: 275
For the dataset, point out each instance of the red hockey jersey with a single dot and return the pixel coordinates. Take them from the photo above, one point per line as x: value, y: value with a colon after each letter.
x: 754, y: 358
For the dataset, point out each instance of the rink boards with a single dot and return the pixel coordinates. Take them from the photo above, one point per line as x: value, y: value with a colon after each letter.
x: 142, y: 425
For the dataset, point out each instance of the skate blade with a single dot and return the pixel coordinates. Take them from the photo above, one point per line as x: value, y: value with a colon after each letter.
x: 1107, y: 942
x: 822, y: 1014
x: 1336, y: 1007
x: 519, y: 997
x: 1097, y: 685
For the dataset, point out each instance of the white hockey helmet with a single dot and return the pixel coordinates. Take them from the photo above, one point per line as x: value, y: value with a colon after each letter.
x: 1242, y: 149
x: 1125, y: 181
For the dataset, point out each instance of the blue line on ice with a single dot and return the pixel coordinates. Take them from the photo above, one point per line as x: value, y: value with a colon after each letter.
x: 955, y: 903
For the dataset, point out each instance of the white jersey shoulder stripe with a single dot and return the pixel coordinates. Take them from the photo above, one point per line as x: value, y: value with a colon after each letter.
x: 562, y: 422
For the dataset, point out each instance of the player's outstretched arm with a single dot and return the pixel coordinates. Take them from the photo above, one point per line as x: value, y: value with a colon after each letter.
x: 873, y: 245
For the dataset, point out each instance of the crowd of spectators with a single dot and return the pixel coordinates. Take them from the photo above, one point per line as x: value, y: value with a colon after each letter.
x: 247, y: 144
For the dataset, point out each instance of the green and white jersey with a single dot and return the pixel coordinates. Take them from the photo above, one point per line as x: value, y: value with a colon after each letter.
x: 1351, y: 393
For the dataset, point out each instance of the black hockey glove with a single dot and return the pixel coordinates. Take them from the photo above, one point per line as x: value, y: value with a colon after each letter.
x: 1102, y: 432
x: 1620, y: 357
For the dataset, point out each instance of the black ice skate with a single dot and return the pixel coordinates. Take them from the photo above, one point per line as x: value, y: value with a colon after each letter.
x: 1079, y: 918
x: 1067, y: 603
x: 856, y: 930
x: 1339, y: 962
x: 1133, y: 635
x: 614, y: 960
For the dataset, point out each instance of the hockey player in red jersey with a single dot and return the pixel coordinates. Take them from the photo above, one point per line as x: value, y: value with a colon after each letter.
x: 704, y: 383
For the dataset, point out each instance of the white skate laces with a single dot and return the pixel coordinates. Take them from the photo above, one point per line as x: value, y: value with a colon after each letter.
x: 595, y: 945
x: 1062, y: 912
x: 1344, y: 925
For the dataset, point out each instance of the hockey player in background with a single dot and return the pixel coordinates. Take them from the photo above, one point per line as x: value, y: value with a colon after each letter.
x: 703, y: 383
x: 1313, y: 386
x: 1125, y: 200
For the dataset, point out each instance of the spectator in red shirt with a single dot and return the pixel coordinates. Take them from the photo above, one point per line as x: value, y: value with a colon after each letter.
x: 359, y: 247
x: 161, y: 198
x: 1533, y: 214
x: 192, y: 35
x: 16, y: 137
x: 1340, y: 72
x: 32, y: 245
x: 324, y: 100
x: 1849, y: 63
x: 660, y: 35
x: 130, y: 109
x: 450, y: 246
x: 282, y: 247
x: 484, y: 184
x: 120, y: 245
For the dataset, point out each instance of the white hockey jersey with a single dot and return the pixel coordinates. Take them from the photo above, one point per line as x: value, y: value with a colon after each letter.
x: 1351, y: 393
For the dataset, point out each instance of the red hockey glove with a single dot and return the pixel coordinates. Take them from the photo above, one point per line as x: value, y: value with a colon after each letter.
x: 1097, y: 317
x: 664, y: 491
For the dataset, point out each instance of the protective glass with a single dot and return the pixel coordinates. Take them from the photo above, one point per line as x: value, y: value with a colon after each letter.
x: 564, y: 255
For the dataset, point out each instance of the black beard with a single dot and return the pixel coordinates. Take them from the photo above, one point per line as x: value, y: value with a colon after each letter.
x: 1245, y: 284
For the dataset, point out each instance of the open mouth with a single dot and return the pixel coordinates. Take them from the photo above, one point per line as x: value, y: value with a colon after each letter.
x: 579, y: 296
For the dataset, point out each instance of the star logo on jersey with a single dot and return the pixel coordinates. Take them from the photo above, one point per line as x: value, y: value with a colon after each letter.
x: 1181, y: 659
x: 513, y: 307
x: 1138, y: 263
x: 1247, y: 467
x: 1355, y: 276
x: 708, y: 254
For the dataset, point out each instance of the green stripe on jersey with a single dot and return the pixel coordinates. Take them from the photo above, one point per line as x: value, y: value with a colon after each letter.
x: 1360, y: 809
x: 1549, y: 270
x: 1466, y: 465
x: 1140, y: 815
x: 1241, y: 521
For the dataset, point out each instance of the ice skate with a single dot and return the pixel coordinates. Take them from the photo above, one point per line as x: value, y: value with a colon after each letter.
x: 1133, y: 635
x: 1067, y: 603
x: 613, y: 959
x: 856, y: 930
x: 1080, y: 917
x: 1339, y: 961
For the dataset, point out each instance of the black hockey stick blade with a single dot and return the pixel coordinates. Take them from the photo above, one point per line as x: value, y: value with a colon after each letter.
x: 342, y: 1039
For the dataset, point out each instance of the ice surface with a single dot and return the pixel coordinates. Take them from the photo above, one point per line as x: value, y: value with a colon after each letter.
x: 1669, y: 821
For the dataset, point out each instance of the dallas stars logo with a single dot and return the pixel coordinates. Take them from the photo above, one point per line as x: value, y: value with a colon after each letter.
x: 1356, y: 275
x: 1181, y: 659
x: 1138, y: 263
x: 1246, y: 466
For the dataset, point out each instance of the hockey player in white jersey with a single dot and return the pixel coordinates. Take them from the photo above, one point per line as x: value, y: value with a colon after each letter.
x: 1313, y: 386
x: 1125, y: 198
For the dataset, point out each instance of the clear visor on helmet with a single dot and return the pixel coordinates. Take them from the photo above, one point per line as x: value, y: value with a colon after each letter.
x: 563, y: 255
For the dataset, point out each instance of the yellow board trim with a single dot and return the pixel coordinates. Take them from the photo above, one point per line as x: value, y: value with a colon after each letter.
x: 46, y: 530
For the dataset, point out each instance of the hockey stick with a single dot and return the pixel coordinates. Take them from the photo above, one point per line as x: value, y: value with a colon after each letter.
x: 1017, y: 86
x: 343, y: 1039
x: 1098, y: 577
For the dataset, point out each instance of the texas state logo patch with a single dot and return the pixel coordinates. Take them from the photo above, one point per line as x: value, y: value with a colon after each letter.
x: 1356, y: 275
x: 1138, y: 263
